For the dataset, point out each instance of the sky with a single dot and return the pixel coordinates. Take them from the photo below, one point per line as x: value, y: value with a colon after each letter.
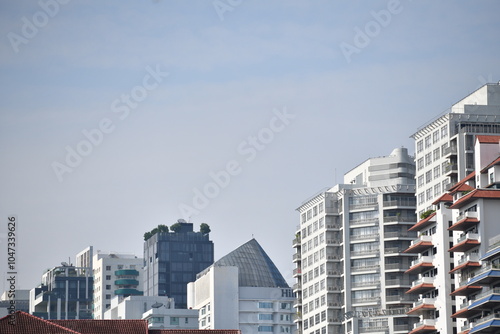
x: 117, y: 116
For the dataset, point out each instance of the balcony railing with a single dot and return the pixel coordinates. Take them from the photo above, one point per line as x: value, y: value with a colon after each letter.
x: 423, y: 280
x: 400, y: 234
x: 425, y: 322
x: 297, y: 256
x: 406, y: 202
x: 398, y: 281
x: 450, y: 168
x: 471, y: 257
x: 468, y: 236
x: 365, y: 252
x: 366, y: 300
x: 450, y: 150
x: 364, y: 284
x: 422, y: 259
x: 363, y: 221
x: 484, y: 319
x: 422, y: 238
x: 365, y: 268
x: 365, y: 236
x: 397, y: 298
x: 468, y: 214
x: 424, y: 301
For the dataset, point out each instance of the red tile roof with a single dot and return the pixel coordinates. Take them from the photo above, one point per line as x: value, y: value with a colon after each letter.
x: 194, y: 331
x: 495, y: 162
x: 422, y: 223
x: 447, y: 198
x: 462, y: 181
x: 26, y: 323
x: 105, y: 326
x: 488, y: 139
x: 475, y: 194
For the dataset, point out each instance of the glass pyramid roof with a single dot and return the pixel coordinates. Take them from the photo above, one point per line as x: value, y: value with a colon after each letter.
x: 254, y: 266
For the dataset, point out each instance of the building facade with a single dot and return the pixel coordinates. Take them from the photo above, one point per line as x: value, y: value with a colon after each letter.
x: 172, y: 260
x: 444, y: 148
x: 65, y: 293
x: 351, y: 269
x: 243, y: 290
x: 115, y: 275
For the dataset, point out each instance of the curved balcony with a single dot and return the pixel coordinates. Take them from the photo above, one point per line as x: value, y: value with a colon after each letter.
x: 126, y: 272
x: 126, y: 281
x: 121, y: 292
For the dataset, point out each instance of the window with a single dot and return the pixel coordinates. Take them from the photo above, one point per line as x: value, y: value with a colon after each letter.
x: 420, y: 163
x: 427, y: 141
x: 420, y: 146
x: 435, y: 136
x: 315, y: 211
x: 265, y: 316
x: 309, y: 214
x: 444, y: 131
x: 108, y: 296
x: 174, y: 320
x: 306, y: 323
x: 428, y: 194
x: 437, y: 189
x: 428, y: 159
x: 108, y: 267
x: 323, y: 316
x: 285, y: 306
x: 421, y: 198
x: 320, y: 207
x: 303, y: 217
x: 265, y: 305
x: 435, y: 154
x: 108, y: 277
x: 108, y: 287
x: 265, y: 328
x: 321, y: 223
x: 437, y: 172
x: 284, y: 329
x: 428, y: 176
x: 420, y: 180
x: 316, y: 319
x: 186, y: 320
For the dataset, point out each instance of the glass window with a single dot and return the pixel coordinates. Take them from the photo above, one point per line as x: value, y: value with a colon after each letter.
x: 265, y: 328
x: 265, y: 305
x: 444, y: 131
x: 174, y: 320
x: 427, y: 141
x: 435, y: 154
x: 435, y: 136
x: 265, y: 316
x: 420, y: 146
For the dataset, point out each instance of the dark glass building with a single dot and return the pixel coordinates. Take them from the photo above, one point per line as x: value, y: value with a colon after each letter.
x: 172, y: 260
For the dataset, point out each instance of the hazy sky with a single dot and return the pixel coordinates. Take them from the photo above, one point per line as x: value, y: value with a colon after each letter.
x: 117, y: 116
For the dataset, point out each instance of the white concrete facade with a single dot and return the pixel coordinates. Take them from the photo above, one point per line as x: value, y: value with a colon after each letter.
x: 350, y: 265
x: 444, y: 150
x: 115, y: 274
x: 223, y: 304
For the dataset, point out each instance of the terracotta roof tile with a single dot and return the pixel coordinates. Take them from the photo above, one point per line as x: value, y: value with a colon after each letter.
x: 488, y: 139
x: 26, y: 323
x: 446, y: 198
x: 462, y: 181
x: 475, y: 194
x: 88, y: 326
x: 495, y: 162
x: 422, y: 223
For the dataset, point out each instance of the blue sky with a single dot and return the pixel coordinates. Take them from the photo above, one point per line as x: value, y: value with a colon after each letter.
x: 227, y: 79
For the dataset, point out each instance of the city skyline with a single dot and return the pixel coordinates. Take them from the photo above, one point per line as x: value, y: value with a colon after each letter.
x: 118, y: 117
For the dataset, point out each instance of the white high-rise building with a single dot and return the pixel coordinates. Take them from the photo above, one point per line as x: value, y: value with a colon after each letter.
x: 350, y: 265
x: 115, y: 275
x: 444, y: 148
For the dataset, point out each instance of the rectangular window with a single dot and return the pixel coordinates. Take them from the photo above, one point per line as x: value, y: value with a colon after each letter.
x: 427, y: 141
x: 303, y: 217
x: 265, y: 305
x: 108, y: 277
x: 265, y: 316
x: 420, y: 146
x: 428, y: 159
x: 437, y: 189
x: 108, y: 267
x: 420, y: 181
x: 315, y: 211
x: 428, y: 194
x: 265, y: 328
x: 435, y: 136
x: 320, y: 207
x: 420, y: 163
x: 437, y: 172
x: 428, y: 176
x: 174, y: 320
x: 435, y: 154
x: 444, y: 131
x: 309, y: 214
x: 285, y: 306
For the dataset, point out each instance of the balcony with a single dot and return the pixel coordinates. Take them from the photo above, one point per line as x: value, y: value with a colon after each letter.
x: 333, y: 227
x: 398, y: 283
x: 367, y: 252
x: 127, y: 281
x: 486, y: 300
x: 467, y: 261
x: 407, y: 202
x: 369, y: 284
x: 400, y: 299
x: 395, y: 251
x: 374, y: 329
x: 357, y: 269
x: 364, y: 237
x: 296, y: 242
x: 297, y: 287
x: 133, y: 292
x: 334, y: 242
x: 466, y: 242
x: 297, y: 272
x: 396, y: 266
x: 367, y: 222
x: 450, y: 150
x: 422, y: 285
x: 389, y: 220
x: 403, y: 328
x: 422, y: 263
x: 366, y: 300
x: 297, y: 257
x: 465, y: 221
x: 422, y: 305
x: 126, y: 272
x: 493, y: 251
x: 488, y: 324
x: 400, y: 234
x: 419, y: 245
x: 451, y: 169
x: 363, y: 206
x: 425, y: 326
